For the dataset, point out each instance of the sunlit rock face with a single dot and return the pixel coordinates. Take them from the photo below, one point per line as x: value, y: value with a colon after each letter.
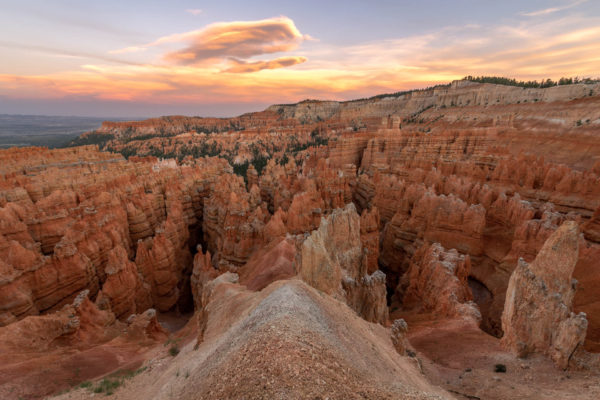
x: 84, y: 220
x: 538, y: 315
x: 436, y: 281
x: 333, y: 260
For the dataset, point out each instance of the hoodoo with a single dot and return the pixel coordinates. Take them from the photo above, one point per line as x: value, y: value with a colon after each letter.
x: 538, y: 314
x: 439, y: 243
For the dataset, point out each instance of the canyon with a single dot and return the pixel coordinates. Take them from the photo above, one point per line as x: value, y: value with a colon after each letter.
x: 401, y: 246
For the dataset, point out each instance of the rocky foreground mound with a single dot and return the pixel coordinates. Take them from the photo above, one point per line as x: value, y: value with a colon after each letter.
x: 286, y: 342
x: 385, y: 248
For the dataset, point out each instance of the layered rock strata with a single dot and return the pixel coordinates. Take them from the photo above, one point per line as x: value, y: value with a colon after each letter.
x: 538, y: 315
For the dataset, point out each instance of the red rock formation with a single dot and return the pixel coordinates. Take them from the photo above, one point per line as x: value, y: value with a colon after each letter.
x: 436, y: 281
x: 305, y: 211
x: 202, y: 273
x: 65, y: 237
x: 473, y: 167
x: 273, y: 262
x: 275, y: 227
x: 591, y: 229
x: 431, y: 218
x: 144, y: 329
x: 80, y: 323
x: 43, y: 354
x: 123, y: 290
x: 538, y: 315
x: 369, y: 237
x: 252, y: 176
x: 233, y: 222
x: 332, y: 260
x: 399, y: 329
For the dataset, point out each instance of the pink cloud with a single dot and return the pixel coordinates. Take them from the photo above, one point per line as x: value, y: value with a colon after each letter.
x: 194, y: 11
x: 240, y: 66
x: 241, y: 39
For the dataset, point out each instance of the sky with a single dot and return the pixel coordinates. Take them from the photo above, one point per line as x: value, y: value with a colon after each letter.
x: 223, y: 58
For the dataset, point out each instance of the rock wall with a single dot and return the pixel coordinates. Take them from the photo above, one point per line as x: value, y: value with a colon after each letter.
x: 119, y: 229
x: 332, y: 260
x: 436, y: 281
x: 538, y: 315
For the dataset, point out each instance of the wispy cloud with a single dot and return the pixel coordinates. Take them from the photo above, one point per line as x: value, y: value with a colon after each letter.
x: 64, y: 52
x: 54, y: 13
x: 552, y: 10
x: 240, y: 66
x: 194, y: 11
x: 130, y: 49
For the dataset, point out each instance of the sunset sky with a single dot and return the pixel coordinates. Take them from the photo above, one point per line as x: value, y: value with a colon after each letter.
x: 221, y: 58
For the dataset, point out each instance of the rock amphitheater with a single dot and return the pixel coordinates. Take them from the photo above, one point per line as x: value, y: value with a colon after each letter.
x: 436, y: 244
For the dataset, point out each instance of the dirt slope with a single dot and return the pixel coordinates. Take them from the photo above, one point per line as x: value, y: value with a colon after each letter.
x: 286, y: 342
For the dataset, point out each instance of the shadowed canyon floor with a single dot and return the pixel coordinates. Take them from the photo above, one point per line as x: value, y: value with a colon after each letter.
x: 441, y: 243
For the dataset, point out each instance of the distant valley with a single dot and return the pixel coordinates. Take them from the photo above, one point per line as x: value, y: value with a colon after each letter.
x: 43, y: 130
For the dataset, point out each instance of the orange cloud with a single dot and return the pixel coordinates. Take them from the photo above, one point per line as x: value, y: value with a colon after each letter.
x: 232, y: 43
x: 240, y: 66
x: 242, y: 39
x: 101, y: 86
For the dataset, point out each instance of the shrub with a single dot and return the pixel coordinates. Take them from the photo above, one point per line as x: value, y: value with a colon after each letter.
x: 500, y: 368
x: 131, y: 374
x: 544, y: 83
x: 107, y: 386
x: 85, y: 385
x: 499, y: 80
x: 112, y: 382
x: 174, y: 350
x: 284, y: 159
x: 241, y: 169
x: 91, y: 138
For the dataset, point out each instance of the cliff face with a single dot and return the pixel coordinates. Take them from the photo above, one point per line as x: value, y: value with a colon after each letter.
x: 538, y: 312
x: 459, y: 93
